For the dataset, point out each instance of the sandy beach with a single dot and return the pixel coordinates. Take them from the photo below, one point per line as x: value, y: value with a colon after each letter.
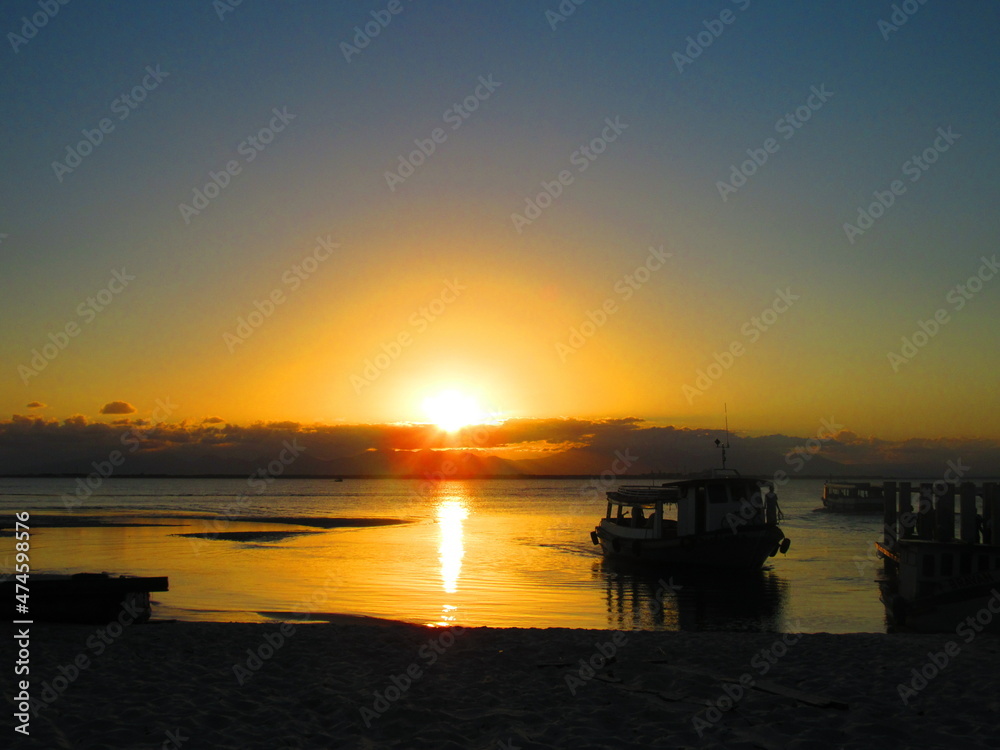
x: 359, y: 683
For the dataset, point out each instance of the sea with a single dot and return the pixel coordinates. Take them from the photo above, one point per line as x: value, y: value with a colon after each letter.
x: 496, y: 552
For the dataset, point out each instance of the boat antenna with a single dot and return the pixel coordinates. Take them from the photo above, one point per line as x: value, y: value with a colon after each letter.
x: 718, y: 443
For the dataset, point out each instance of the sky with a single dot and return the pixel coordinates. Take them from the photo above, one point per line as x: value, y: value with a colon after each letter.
x: 325, y: 214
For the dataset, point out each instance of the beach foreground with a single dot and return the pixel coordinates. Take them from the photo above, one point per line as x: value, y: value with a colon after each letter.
x: 360, y: 684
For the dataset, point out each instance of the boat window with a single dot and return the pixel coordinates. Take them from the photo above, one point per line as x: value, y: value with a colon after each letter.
x: 717, y: 493
x: 928, y: 565
x: 947, y: 564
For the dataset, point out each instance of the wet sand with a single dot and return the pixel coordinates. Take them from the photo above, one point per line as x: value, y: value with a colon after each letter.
x: 363, y: 683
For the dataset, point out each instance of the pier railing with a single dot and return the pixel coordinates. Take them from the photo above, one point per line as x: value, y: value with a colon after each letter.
x: 926, y: 511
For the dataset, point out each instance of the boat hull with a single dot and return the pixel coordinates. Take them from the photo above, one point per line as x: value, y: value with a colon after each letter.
x: 745, y: 549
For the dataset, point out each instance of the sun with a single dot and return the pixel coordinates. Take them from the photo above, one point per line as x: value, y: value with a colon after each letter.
x: 452, y: 410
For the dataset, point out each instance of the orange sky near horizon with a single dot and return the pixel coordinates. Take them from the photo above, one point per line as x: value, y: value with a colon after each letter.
x: 311, y: 290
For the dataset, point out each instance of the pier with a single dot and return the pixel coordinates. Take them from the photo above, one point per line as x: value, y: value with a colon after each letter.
x: 926, y: 511
x: 937, y: 573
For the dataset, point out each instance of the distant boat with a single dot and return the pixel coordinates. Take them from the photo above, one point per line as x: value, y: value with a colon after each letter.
x: 853, y: 497
x: 722, y: 521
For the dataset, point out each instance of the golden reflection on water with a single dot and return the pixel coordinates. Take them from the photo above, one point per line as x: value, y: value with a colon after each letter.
x: 451, y: 511
x: 464, y: 556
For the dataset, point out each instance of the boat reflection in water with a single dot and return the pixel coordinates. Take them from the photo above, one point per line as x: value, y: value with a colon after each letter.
x: 643, y: 597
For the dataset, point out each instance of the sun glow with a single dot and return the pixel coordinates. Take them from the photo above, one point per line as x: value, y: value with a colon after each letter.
x: 451, y: 410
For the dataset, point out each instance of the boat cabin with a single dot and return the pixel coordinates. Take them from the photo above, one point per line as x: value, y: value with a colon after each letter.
x: 692, y: 507
x: 850, y: 490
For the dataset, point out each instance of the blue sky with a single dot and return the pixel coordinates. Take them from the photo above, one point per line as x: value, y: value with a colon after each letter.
x: 656, y: 185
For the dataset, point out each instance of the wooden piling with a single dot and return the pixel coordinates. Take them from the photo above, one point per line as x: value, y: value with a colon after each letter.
x: 905, y: 505
x: 889, y: 531
x: 925, y: 512
x: 991, y: 513
x: 944, y: 517
x: 969, y: 530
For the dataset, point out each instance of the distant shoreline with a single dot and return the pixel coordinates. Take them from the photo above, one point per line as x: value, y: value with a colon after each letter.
x: 620, y: 477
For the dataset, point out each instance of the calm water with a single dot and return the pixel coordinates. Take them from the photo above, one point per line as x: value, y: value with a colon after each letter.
x: 490, y: 552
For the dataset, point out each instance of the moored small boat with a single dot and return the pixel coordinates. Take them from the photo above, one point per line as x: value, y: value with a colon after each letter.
x: 721, y: 521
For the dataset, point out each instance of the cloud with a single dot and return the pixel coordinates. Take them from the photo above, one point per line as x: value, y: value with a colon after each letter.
x: 36, y: 405
x: 212, y: 420
x: 33, y: 444
x: 118, y: 407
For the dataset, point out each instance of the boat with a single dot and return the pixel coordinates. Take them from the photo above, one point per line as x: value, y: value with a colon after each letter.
x: 933, y: 581
x: 853, y: 497
x: 722, y: 521
x: 87, y: 598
